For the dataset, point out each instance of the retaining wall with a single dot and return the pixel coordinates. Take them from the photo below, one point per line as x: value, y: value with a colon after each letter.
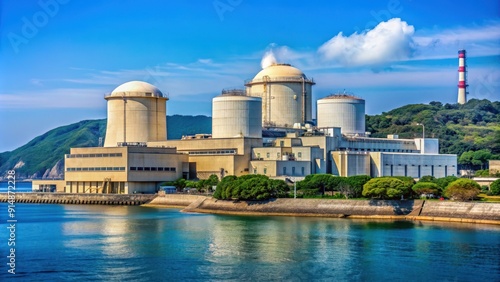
x: 470, y: 210
x: 311, y: 207
x: 175, y: 200
x: 81, y: 199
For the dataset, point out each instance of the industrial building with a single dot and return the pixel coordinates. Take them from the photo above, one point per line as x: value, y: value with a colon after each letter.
x: 265, y: 129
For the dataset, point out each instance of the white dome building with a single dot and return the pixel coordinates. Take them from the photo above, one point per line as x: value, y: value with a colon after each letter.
x: 136, y: 113
x: 286, y: 95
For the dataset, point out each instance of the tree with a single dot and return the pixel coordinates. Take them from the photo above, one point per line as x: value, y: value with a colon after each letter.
x: 495, y: 188
x: 384, y: 187
x: 462, y: 190
x: 322, y: 182
x: 480, y: 157
x: 425, y: 188
x: 427, y: 178
x: 250, y: 187
x: 443, y: 182
x: 352, y: 186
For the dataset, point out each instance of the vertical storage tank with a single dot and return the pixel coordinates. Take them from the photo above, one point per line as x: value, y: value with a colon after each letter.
x: 234, y: 114
x: 136, y: 113
x: 344, y: 111
x: 286, y: 95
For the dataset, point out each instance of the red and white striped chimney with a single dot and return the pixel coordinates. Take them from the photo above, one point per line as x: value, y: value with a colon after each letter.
x: 462, y: 83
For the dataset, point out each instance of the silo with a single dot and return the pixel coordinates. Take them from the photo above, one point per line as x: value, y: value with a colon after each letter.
x: 136, y: 113
x: 286, y: 95
x: 344, y: 111
x: 234, y: 114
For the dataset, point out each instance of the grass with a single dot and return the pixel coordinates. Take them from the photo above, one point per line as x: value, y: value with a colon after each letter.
x: 486, y: 198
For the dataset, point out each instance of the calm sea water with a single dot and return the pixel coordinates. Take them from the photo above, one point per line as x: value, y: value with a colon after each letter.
x: 119, y: 243
x: 20, y: 187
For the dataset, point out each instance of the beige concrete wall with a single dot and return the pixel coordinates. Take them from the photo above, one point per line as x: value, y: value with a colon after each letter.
x: 494, y: 166
x: 39, y: 184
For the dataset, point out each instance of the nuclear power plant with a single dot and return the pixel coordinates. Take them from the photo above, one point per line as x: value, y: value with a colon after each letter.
x: 266, y: 129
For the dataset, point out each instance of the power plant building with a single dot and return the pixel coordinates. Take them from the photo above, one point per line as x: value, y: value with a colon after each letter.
x: 136, y: 156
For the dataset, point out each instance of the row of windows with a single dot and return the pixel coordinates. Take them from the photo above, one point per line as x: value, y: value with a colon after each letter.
x: 302, y: 171
x: 219, y: 152
x: 380, y: 150
x: 278, y: 155
x: 93, y: 155
x: 95, y: 169
x: 153, y: 168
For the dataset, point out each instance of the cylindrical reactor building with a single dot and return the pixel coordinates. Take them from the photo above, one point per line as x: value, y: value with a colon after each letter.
x: 286, y: 95
x: 234, y: 114
x: 344, y: 111
x: 136, y: 113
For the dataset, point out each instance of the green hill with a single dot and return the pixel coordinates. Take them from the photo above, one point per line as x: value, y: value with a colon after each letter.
x: 45, y: 151
x: 460, y: 128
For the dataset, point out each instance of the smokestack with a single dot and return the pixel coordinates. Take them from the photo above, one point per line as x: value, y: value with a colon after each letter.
x: 462, y: 83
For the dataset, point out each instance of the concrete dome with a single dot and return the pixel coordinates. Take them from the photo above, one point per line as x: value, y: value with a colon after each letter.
x: 279, y: 70
x: 137, y: 88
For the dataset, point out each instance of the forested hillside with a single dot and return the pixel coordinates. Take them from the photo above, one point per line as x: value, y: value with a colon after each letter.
x: 460, y: 128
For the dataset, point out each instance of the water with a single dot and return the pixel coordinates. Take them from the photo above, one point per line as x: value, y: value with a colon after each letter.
x: 120, y: 243
x: 20, y: 187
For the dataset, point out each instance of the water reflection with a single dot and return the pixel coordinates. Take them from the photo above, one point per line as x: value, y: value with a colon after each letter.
x: 146, y: 244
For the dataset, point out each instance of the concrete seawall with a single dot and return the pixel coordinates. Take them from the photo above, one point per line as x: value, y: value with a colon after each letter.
x: 310, y: 207
x: 80, y: 199
x: 175, y: 200
x: 470, y: 212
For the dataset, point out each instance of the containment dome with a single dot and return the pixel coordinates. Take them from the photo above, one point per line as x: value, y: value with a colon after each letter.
x: 235, y: 114
x: 136, y: 114
x: 137, y: 88
x: 279, y: 70
x: 344, y: 111
x: 286, y: 95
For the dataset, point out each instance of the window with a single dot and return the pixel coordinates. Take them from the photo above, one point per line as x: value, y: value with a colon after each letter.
x: 255, y: 171
x: 302, y: 170
x: 282, y: 143
x: 268, y: 155
x: 265, y: 171
x: 284, y: 170
x: 293, y: 170
x: 299, y: 154
x: 278, y: 155
x: 258, y: 155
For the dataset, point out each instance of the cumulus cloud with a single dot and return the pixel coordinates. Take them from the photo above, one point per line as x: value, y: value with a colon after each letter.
x: 388, y: 41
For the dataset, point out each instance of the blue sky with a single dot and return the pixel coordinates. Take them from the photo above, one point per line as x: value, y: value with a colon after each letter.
x: 59, y: 57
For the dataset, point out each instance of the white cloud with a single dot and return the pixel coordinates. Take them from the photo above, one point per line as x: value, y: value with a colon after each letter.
x: 387, y: 42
